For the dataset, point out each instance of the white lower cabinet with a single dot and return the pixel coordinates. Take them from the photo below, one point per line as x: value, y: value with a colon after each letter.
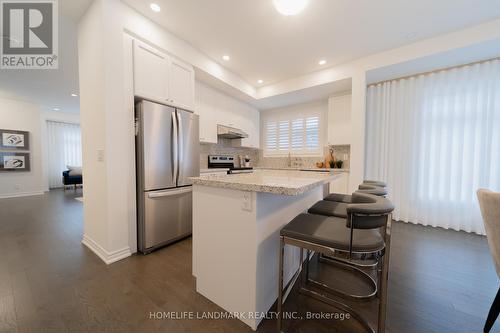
x: 340, y: 184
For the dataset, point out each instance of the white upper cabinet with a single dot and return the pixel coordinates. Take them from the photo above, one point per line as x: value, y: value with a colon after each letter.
x: 339, y: 120
x: 181, y: 84
x: 151, y: 73
x: 205, y: 107
x: 215, y: 107
x: 162, y: 78
x: 251, y: 126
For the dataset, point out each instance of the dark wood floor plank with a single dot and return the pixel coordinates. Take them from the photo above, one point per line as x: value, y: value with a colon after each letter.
x: 8, y: 321
x: 440, y: 280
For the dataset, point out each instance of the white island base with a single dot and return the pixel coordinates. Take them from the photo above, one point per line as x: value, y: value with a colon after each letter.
x: 236, y: 245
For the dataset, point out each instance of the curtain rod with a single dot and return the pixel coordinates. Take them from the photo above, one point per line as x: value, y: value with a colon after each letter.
x: 62, y: 122
x: 433, y: 71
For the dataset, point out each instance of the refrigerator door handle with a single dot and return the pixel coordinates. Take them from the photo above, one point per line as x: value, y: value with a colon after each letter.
x: 175, y: 148
x: 169, y: 193
x: 180, y: 155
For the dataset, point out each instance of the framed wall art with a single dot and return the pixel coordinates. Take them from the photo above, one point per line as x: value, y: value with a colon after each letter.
x: 14, y: 162
x: 15, y: 140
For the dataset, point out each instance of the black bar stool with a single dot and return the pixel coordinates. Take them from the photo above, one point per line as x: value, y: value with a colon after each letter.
x: 335, y: 204
x: 362, y: 188
x: 375, y: 183
x: 365, y: 232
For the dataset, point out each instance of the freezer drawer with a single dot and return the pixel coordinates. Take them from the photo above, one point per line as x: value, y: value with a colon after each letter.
x: 166, y: 217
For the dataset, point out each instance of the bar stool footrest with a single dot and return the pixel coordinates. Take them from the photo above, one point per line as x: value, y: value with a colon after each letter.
x: 339, y: 305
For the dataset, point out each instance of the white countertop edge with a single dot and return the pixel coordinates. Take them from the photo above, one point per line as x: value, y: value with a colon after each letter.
x: 227, y: 182
x: 303, y: 169
x: 212, y: 170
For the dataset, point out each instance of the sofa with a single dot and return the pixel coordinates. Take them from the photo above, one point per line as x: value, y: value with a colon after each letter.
x: 70, y: 177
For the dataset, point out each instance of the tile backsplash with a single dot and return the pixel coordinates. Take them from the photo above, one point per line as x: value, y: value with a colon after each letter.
x: 257, y: 158
x: 223, y: 147
x: 341, y: 152
x: 285, y: 162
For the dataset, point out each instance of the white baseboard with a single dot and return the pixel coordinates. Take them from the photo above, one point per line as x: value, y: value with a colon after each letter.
x: 107, y: 257
x: 21, y: 194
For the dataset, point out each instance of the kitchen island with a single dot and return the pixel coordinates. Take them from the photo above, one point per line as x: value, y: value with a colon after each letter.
x: 236, y: 224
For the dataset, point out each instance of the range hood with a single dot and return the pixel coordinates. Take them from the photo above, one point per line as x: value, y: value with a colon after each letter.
x: 227, y: 132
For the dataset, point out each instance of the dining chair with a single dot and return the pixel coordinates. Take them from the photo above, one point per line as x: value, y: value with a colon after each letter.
x: 490, y: 209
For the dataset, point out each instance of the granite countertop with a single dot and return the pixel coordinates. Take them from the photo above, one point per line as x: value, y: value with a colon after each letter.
x: 282, y: 182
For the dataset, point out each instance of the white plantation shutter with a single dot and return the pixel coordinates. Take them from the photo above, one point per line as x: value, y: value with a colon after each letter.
x: 284, y: 135
x: 271, y: 136
x: 312, y: 133
x: 297, y: 136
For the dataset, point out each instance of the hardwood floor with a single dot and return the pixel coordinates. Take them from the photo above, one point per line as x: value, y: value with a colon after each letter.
x: 440, y: 280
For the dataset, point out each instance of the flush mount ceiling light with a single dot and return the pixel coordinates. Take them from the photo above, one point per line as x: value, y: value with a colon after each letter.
x: 155, y: 7
x: 260, y: 81
x: 56, y: 109
x: 322, y: 62
x: 226, y: 57
x: 74, y: 95
x: 290, y: 7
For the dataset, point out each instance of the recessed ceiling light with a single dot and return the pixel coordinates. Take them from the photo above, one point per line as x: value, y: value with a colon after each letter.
x: 74, y: 95
x: 260, y: 81
x: 322, y: 62
x: 155, y: 7
x: 226, y: 57
x: 56, y: 109
x: 290, y: 7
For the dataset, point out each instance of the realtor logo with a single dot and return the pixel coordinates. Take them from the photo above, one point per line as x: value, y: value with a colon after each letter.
x: 29, y: 34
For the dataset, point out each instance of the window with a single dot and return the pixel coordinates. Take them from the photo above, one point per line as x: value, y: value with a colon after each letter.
x: 64, y: 143
x: 434, y: 138
x: 298, y: 136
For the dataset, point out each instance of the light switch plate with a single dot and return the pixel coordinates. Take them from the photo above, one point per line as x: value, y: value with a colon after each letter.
x: 100, y: 155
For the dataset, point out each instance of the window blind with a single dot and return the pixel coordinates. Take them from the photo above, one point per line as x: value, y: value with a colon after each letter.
x: 297, y: 136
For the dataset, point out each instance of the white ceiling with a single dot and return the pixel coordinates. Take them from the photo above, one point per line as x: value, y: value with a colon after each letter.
x: 51, y: 88
x: 266, y: 45
x: 262, y: 43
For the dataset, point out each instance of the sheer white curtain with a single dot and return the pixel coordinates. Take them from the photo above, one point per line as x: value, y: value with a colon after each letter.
x: 435, y: 138
x: 64, y: 145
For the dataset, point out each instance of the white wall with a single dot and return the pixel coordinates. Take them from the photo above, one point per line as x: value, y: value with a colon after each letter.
x: 17, y: 115
x: 20, y: 115
x: 297, y: 111
x: 104, y: 123
x: 339, y: 120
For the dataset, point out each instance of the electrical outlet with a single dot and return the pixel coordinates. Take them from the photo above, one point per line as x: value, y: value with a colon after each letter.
x: 247, y: 201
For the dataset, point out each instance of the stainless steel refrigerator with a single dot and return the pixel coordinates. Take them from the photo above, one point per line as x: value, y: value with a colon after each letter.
x: 167, y: 153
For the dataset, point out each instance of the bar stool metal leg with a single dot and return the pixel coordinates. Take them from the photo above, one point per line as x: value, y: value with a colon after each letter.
x: 280, y: 285
x: 308, y: 253
x: 384, y: 276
